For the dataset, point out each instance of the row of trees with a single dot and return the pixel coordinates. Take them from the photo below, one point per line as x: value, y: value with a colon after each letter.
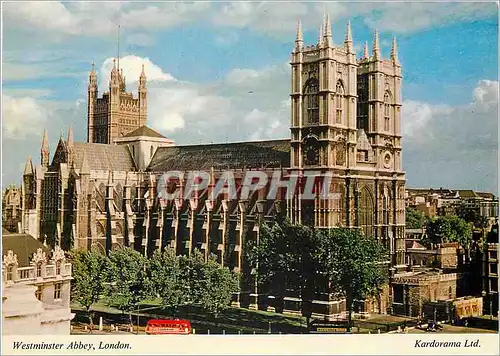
x: 125, y: 277
x: 339, y: 261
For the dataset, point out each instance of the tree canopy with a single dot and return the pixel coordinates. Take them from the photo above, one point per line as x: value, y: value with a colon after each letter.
x: 449, y: 229
x: 166, y: 278
x: 415, y: 219
x: 355, y: 265
x: 89, y: 278
x: 472, y: 214
x: 284, y: 258
x: 342, y: 261
x: 127, y: 279
x: 217, y: 285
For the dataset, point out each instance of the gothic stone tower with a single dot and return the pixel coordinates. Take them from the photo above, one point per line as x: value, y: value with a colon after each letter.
x: 117, y: 112
x: 345, y: 122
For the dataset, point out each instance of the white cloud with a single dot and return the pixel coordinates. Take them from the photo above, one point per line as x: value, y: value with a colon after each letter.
x: 486, y: 95
x: 100, y: 18
x: 410, y: 17
x: 22, y: 92
x: 22, y: 117
x: 399, y: 17
x: 132, y: 67
x: 276, y: 19
x: 453, y: 146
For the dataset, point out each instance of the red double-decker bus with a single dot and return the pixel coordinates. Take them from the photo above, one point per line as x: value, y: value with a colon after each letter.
x: 168, y: 327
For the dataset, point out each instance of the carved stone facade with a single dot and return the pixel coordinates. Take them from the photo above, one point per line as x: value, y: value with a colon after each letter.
x: 11, y: 208
x: 346, y: 119
x: 117, y: 112
x: 35, y: 288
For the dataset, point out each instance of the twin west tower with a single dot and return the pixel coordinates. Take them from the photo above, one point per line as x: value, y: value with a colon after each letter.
x: 346, y: 120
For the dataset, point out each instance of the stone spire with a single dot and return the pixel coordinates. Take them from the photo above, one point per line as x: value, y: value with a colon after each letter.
x: 299, y: 40
x: 70, y: 142
x: 376, y: 47
x: 115, y: 75
x: 92, y: 77
x: 394, y: 51
x: 328, y: 31
x: 28, y: 167
x: 348, y: 38
x: 122, y: 81
x: 320, y: 37
x: 142, y: 79
x: 45, y: 142
x: 365, y: 51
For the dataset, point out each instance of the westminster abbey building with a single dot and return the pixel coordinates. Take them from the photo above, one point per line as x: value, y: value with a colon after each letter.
x: 345, y: 120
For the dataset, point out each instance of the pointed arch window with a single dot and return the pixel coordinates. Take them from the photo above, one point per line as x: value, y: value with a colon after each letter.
x: 385, y: 209
x: 366, y: 210
x: 311, y: 101
x: 339, y: 102
x: 387, y: 111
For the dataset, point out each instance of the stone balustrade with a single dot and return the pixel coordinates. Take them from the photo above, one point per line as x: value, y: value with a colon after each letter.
x: 24, y: 274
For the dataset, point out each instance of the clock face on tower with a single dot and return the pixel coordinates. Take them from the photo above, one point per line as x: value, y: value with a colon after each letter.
x: 311, y: 151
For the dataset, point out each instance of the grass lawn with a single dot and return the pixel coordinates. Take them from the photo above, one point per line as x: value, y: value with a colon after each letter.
x: 232, y: 320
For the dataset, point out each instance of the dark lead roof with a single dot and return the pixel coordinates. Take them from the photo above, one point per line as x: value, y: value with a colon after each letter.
x: 104, y: 157
x: 259, y: 154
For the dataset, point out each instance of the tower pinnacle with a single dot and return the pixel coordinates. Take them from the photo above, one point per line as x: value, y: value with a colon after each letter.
x: 299, y: 40
x: 328, y: 31
x: 28, y: 168
x: 45, y: 141
x: 70, y: 141
x: 348, y: 38
x: 92, y: 77
x: 376, y: 47
x: 365, y: 51
x: 45, y: 150
x: 394, y: 51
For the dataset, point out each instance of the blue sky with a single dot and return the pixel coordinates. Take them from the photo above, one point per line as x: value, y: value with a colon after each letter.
x: 203, y: 59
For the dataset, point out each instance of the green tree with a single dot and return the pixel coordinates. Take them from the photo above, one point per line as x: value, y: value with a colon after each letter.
x: 218, y: 284
x: 89, y: 278
x: 285, y: 258
x: 415, y: 219
x: 302, y: 263
x: 354, y: 264
x: 127, y: 278
x: 472, y: 214
x: 165, y: 278
x: 270, y: 259
x: 450, y: 229
x: 192, y: 274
